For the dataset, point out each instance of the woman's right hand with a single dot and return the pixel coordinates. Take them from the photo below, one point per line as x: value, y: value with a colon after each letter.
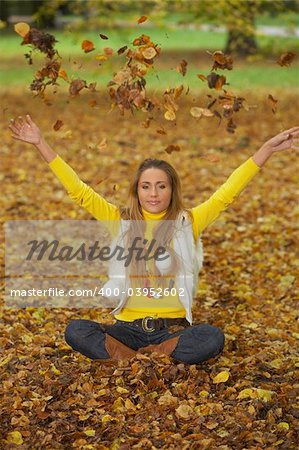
x: 26, y: 130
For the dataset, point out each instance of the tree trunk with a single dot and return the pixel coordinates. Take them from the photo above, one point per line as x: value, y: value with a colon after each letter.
x: 241, y: 38
x: 240, y: 43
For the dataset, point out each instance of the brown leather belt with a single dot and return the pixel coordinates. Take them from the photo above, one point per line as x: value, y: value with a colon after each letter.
x: 151, y: 324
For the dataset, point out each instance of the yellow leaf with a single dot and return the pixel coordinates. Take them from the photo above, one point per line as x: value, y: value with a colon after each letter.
x: 204, y: 394
x: 184, y: 411
x: 107, y: 418
x: 22, y: 28
x: 101, y: 57
x: 62, y: 74
x: 129, y: 404
x: 169, y: 115
x: 283, y: 426
x: 247, y: 393
x: 15, y: 437
x: 149, y: 53
x: 264, y: 395
x: 55, y: 370
x: 118, y: 404
x: 89, y: 432
x: 122, y: 390
x: 5, y: 361
x: 276, y: 363
x: 222, y: 377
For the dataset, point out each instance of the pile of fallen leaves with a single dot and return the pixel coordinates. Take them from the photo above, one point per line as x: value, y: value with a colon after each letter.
x: 54, y: 398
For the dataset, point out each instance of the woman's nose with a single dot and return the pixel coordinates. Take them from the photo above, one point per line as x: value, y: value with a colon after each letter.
x: 153, y: 191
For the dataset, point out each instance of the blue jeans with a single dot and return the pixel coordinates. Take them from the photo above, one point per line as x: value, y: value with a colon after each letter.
x: 196, y: 343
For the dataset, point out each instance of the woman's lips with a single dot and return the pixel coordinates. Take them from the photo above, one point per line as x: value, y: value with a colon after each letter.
x: 153, y: 203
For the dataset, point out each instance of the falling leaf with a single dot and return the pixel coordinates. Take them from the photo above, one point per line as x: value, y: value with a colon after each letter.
x: 62, y: 74
x: 122, y: 50
x: 87, y: 46
x: 169, y: 115
x: 22, y: 28
x: 216, y: 81
x: 202, y: 77
x: 231, y: 126
x: 108, y: 51
x: 222, y: 61
x: 182, y: 67
x: 172, y: 148
x: 199, y: 112
x: 286, y: 59
x: 142, y: 19
x: 76, y: 86
x: 103, y: 36
x: 149, y: 53
x: 273, y: 102
x: 57, y: 125
x: 101, y: 57
x: 221, y: 377
x: 103, y: 144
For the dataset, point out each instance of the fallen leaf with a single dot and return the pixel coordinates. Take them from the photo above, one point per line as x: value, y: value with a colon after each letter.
x: 221, y: 377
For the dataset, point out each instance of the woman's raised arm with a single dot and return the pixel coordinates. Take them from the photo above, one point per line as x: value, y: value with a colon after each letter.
x: 27, y: 131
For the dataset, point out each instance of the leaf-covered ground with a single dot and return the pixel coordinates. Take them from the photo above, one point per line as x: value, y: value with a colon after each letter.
x: 53, y: 398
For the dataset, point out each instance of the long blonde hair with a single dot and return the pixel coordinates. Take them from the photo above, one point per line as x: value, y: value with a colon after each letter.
x: 163, y: 233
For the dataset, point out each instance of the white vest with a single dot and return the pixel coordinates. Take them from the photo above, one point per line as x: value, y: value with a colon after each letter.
x: 186, y: 281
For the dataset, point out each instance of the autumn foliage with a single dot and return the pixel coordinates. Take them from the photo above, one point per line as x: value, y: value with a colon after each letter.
x: 54, y: 398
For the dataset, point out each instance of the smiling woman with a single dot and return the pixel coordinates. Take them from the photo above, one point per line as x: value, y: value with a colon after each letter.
x: 154, y: 310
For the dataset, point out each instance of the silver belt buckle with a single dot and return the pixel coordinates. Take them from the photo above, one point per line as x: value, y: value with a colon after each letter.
x: 145, y: 326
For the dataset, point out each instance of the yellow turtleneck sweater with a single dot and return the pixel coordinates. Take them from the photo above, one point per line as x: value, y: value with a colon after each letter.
x: 139, y: 306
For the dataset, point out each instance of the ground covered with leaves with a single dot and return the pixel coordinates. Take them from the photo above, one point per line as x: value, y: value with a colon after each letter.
x: 53, y: 398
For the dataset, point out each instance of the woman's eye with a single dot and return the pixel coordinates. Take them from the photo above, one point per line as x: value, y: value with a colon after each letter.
x: 144, y: 187
x: 162, y: 186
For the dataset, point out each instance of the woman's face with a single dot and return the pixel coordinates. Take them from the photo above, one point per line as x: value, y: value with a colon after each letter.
x: 154, y: 190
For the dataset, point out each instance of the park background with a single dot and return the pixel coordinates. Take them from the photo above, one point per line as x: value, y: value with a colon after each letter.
x: 53, y: 398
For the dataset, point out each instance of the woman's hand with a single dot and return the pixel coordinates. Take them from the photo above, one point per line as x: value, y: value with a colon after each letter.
x: 283, y: 141
x: 26, y: 130
x: 288, y: 139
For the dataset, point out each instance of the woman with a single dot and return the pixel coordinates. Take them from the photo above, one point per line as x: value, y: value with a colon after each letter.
x: 143, y: 324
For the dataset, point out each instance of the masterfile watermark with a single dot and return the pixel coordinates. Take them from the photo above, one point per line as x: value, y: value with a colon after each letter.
x: 47, y: 261
x: 140, y: 249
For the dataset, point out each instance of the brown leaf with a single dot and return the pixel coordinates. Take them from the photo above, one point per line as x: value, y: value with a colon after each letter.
x: 182, y: 67
x: 76, y: 86
x: 103, y: 36
x: 216, y: 81
x: 108, y: 51
x: 172, y: 148
x: 142, y: 19
x: 87, y: 46
x: 222, y: 61
x: 57, y: 125
x: 286, y: 59
x: 231, y: 126
x: 202, y: 77
x: 273, y: 102
x: 122, y: 50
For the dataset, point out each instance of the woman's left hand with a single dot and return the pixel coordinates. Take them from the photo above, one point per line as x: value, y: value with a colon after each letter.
x: 288, y: 139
